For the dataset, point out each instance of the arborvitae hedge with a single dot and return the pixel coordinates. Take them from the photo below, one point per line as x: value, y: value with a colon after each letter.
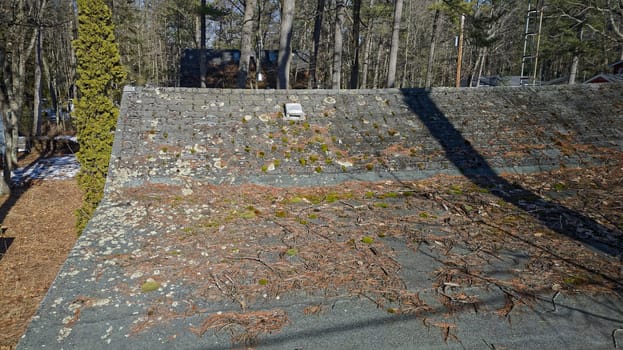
x: 100, y: 75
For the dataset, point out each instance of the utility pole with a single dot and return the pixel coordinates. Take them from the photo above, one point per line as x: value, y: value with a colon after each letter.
x: 459, y: 59
x: 532, y: 40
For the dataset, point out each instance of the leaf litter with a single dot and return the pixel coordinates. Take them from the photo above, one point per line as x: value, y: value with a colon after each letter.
x: 332, y: 242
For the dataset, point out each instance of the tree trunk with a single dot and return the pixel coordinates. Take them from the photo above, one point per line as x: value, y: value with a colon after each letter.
x: 317, y: 32
x: 36, y: 109
x: 575, y: 62
x: 366, y: 51
x: 15, y: 75
x: 431, y: 53
x: 393, y: 51
x: 354, y: 70
x: 245, y: 43
x: 202, y: 46
x: 5, y: 180
x: 407, y: 49
x: 483, y: 59
x: 377, y: 66
x: 285, y: 44
x: 337, y: 45
x: 574, y: 68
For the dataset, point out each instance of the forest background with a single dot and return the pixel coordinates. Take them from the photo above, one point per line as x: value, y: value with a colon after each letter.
x: 348, y: 43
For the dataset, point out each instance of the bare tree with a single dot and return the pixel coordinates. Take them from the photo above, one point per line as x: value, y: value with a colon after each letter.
x: 285, y: 44
x: 317, y: 31
x: 338, y: 42
x: 246, y: 46
x: 354, y: 69
x: 615, y: 16
x: 393, y: 51
x: 19, y: 41
x: 36, y: 110
x: 431, y: 52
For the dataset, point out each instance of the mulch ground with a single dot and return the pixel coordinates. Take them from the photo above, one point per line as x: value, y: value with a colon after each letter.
x: 38, y: 230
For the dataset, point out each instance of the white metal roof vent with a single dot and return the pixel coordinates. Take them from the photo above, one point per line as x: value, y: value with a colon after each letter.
x: 294, y: 111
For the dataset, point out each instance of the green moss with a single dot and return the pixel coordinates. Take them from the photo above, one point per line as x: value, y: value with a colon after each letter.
x: 262, y: 281
x: 576, y: 280
x: 292, y: 252
x: 456, y: 190
x: 149, y: 286
x: 295, y: 200
x: 390, y: 195
x: 281, y: 214
x: 367, y: 240
x: 381, y: 205
x: 247, y: 214
x: 318, y: 169
x: 332, y: 197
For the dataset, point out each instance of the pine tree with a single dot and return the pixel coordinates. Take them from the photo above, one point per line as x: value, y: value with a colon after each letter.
x: 99, y: 75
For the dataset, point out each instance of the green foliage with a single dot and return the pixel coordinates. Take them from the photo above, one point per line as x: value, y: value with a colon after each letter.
x: 453, y: 9
x: 99, y: 74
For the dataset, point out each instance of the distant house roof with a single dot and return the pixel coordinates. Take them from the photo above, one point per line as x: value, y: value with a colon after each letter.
x: 617, y: 67
x: 497, y: 80
x: 605, y: 78
x: 558, y: 81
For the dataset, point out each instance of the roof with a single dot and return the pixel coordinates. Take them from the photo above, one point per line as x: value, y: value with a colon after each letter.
x: 448, y: 218
x: 617, y: 63
x: 605, y: 78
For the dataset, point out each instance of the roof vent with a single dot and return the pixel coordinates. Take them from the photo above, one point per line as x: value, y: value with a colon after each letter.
x: 294, y: 111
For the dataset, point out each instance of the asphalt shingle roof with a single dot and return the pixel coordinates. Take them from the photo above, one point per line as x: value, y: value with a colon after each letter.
x: 451, y: 218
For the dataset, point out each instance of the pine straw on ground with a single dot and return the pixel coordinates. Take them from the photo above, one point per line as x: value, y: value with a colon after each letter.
x: 38, y: 230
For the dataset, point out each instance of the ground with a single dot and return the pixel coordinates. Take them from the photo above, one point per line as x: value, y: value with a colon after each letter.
x: 37, y: 233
